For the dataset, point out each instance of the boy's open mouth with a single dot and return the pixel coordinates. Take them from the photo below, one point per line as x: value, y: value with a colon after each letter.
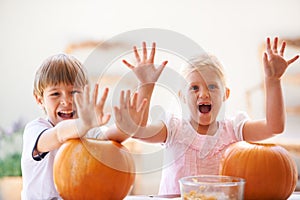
x: 204, y: 108
x: 66, y: 114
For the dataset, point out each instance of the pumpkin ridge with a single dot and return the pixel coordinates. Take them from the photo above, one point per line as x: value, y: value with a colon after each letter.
x: 293, y: 183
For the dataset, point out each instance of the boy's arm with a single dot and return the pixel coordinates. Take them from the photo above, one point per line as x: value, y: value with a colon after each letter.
x: 90, y: 115
x: 274, y: 66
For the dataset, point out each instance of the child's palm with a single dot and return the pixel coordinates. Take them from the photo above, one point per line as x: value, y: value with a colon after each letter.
x: 274, y: 62
x: 128, y: 116
x: 145, y: 70
x: 90, y: 112
x: 275, y: 66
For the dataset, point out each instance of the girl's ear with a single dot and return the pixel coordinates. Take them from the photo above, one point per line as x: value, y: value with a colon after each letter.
x: 181, y: 96
x: 227, y: 94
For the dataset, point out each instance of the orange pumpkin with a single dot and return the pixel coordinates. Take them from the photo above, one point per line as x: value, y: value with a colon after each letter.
x: 268, y: 169
x: 93, y: 169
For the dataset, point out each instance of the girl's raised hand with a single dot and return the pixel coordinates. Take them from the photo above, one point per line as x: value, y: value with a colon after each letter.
x: 129, y: 116
x: 145, y: 70
x: 274, y: 62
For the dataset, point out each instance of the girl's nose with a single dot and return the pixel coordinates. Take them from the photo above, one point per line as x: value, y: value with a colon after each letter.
x: 204, y: 93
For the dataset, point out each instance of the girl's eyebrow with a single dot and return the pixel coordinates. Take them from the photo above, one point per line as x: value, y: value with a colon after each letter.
x: 193, y: 82
x: 212, y: 82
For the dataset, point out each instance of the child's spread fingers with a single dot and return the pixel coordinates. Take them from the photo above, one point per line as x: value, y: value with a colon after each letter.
x: 86, y: 94
x: 95, y: 94
x: 268, y: 48
x: 282, y: 48
x: 136, y: 54
x: 265, y: 59
x: 127, y: 99
x: 144, y: 51
x: 275, y: 45
x: 152, y: 54
x: 103, y: 98
x: 128, y: 64
x: 293, y: 59
x: 122, y: 104
x: 134, y: 101
x: 143, y: 105
x: 164, y: 63
x: 105, y: 118
x: 161, y: 67
x: 78, y: 100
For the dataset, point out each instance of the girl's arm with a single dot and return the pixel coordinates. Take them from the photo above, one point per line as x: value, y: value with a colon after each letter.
x: 90, y: 115
x: 147, y: 75
x: 274, y: 67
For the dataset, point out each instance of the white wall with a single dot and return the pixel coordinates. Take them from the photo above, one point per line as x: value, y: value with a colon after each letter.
x: 33, y: 30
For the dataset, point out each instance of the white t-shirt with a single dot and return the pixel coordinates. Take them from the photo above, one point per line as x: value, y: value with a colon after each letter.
x: 37, y: 171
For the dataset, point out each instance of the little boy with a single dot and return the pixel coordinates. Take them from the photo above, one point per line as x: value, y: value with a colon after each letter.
x: 61, y: 89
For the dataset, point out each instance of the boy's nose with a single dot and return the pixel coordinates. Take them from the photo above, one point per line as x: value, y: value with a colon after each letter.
x: 66, y: 101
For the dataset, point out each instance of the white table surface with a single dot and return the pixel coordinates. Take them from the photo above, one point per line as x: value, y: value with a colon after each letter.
x: 294, y: 196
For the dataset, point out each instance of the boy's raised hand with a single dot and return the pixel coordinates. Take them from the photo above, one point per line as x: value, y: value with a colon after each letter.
x: 274, y: 62
x: 145, y: 70
x: 129, y: 116
x: 90, y: 110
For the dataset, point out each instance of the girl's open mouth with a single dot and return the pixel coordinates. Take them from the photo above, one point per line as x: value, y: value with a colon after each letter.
x: 204, y: 108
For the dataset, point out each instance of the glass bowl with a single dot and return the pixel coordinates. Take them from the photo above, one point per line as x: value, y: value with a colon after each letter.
x: 212, y: 187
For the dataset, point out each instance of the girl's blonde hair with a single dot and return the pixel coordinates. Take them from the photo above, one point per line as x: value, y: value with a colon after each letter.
x: 59, y: 69
x: 204, y: 61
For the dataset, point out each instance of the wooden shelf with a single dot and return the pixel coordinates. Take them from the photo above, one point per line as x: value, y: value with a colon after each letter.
x: 294, y: 110
x: 293, y: 79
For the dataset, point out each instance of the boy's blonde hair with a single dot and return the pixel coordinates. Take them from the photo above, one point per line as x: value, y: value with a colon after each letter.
x: 59, y: 69
x: 204, y: 61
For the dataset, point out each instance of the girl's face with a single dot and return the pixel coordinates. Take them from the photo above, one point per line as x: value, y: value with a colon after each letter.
x: 204, y: 96
x: 58, y: 102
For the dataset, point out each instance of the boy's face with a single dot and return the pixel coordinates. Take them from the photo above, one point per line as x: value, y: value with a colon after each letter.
x: 204, y: 96
x: 58, y: 102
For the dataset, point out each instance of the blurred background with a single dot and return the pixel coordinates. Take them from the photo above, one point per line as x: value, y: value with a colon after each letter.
x: 233, y: 30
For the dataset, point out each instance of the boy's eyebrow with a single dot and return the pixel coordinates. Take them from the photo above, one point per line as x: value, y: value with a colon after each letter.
x: 52, y: 88
x: 77, y: 88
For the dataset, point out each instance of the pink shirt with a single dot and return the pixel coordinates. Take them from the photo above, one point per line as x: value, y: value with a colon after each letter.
x: 188, y: 153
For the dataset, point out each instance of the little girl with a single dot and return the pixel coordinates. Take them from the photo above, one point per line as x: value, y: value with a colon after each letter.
x: 194, y: 145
